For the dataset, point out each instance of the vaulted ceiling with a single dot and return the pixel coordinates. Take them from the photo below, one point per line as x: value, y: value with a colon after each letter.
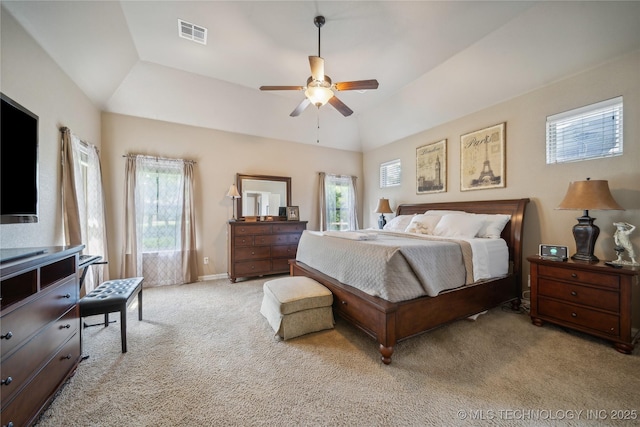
x: 435, y: 61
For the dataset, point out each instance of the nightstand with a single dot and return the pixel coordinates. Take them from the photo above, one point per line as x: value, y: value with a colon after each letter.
x: 588, y: 297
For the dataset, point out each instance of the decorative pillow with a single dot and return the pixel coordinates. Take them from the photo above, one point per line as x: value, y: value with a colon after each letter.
x: 423, y: 224
x: 399, y: 223
x: 493, y: 225
x: 458, y: 225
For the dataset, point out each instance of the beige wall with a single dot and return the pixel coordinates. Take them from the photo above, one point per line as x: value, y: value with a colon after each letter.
x: 219, y: 155
x: 527, y: 173
x: 31, y: 78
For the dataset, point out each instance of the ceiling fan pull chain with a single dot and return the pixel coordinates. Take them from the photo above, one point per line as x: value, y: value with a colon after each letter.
x: 318, y: 129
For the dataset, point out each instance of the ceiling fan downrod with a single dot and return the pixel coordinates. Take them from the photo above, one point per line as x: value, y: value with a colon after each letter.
x: 319, y: 21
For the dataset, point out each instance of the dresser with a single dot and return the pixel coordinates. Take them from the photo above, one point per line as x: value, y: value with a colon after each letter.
x: 40, y: 324
x: 262, y: 248
x: 589, y: 297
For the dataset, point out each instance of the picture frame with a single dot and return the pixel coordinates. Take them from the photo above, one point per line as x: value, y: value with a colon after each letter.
x: 483, y: 158
x: 293, y: 213
x: 431, y: 168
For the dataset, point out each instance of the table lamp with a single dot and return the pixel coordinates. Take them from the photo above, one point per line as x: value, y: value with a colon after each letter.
x: 233, y: 193
x: 383, y: 208
x: 586, y: 195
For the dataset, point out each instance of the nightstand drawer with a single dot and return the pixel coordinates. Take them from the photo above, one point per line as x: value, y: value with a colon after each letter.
x: 582, y: 316
x: 599, y: 298
x: 580, y: 276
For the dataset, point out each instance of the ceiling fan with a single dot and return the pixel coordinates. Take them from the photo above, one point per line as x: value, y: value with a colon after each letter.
x: 319, y: 88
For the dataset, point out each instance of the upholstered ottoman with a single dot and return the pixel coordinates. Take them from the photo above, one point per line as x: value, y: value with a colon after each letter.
x: 297, y: 305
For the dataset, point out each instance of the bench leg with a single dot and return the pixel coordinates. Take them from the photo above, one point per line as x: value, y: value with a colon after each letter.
x: 123, y: 327
x: 140, y: 304
x: 106, y: 320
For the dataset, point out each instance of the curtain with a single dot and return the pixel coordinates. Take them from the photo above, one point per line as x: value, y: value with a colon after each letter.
x: 159, y: 241
x: 84, y: 218
x: 338, y: 202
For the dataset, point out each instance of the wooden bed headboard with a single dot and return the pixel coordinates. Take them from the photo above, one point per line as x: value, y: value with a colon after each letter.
x: 512, y: 232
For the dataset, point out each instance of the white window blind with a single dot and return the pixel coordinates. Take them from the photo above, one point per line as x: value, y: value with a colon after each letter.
x: 589, y: 132
x: 390, y: 173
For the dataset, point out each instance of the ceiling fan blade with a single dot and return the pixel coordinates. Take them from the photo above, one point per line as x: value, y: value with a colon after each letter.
x: 317, y: 68
x: 340, y: 106
x: 281, y: 87
x: 300, y: 108
x: 357, y: 85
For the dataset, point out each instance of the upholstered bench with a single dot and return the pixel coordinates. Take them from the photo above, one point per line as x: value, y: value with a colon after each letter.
x: 297, y: 305
x: 112, y: 296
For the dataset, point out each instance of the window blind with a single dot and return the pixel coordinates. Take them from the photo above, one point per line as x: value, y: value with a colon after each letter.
x: 589, y: 132
x: 390, y: 173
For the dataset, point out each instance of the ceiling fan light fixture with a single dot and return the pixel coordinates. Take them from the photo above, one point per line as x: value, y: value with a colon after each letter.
x: 318, y: 95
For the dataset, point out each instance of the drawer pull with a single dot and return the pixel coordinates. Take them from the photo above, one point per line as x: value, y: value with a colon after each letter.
x: 7, y: 336
x: 67, y: 357
x: 67, y: 326
x: 574, y: 275
x: 344, y: 302
x: 67, y: 295
x: 10, y: 424
x: 574, y: 293
x: 574, y: 315
x: 7, y: 381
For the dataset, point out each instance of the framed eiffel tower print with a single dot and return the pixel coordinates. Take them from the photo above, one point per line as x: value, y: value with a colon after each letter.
x: 483, y: 158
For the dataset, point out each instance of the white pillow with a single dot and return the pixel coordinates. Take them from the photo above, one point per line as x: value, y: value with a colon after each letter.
x: 423, y: 224
x: 399, y: 223
x: 493, y: 225
x: 458, y: 225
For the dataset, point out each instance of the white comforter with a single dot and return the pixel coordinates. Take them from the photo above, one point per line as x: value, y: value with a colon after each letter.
x: 402, y: 266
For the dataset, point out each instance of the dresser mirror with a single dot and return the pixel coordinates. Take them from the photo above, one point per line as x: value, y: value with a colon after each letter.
x: 262, y: 195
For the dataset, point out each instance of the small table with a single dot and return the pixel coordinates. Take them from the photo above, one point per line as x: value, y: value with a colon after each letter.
x: 589, y: 297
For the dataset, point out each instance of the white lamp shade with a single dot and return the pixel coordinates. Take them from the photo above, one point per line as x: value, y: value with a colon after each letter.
x: 233, y: 192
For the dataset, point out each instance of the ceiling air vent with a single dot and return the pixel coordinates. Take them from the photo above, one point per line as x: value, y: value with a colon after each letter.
x: 190, y: 31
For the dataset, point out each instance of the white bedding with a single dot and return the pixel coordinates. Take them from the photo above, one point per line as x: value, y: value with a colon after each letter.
x: 402, y: 266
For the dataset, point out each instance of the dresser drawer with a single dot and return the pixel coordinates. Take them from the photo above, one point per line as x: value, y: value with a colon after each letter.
x: 246, y: 230
x: 580, y: 276
x: 284, y: 251
x: 577, y: 294
x: 243, y: 241
x: 280, y: 265
x: 283, y: 239
x: 252, y: 252
x: 252, y: 268
x: 289, y: 228
x: 37, y: 392
x: 582, y: 316
x: 50, y: 305
x: 25, y: 362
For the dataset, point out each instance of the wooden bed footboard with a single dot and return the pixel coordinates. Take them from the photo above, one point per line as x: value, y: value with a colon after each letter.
x: 388, y: 322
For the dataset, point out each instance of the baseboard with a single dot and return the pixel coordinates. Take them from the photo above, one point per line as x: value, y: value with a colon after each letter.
x: 212, y: 277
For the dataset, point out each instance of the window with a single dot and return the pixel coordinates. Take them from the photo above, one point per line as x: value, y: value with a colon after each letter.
x: 390, y: 174
x: 590, y: 132
x: 160, y: 188
x: 339, y: 204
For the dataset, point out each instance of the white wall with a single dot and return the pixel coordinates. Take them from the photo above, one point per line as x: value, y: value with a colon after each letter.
x: 31, y: 78
x: 220, y: 156
x: 527, y: 174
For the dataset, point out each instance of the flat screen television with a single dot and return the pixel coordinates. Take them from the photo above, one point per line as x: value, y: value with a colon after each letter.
x: 18, y: 163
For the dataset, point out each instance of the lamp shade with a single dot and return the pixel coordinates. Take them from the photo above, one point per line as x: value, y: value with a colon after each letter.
x: 233, y: 192
x: 318, y: 95
x: 588, y: 195
x: 383, y: 206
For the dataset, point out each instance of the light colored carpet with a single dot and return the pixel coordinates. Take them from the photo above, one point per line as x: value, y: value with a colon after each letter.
x: 204, y: 356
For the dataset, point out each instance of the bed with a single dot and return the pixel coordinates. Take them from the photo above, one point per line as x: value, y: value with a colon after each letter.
x: 391, y: 321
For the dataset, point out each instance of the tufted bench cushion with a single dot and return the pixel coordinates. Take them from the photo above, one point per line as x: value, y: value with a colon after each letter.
x: 112, y: 296
x: 297, y: 305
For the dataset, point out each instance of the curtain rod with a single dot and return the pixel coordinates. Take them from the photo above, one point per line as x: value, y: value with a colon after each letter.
x: 133, y: 156
x: 85, y: 144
